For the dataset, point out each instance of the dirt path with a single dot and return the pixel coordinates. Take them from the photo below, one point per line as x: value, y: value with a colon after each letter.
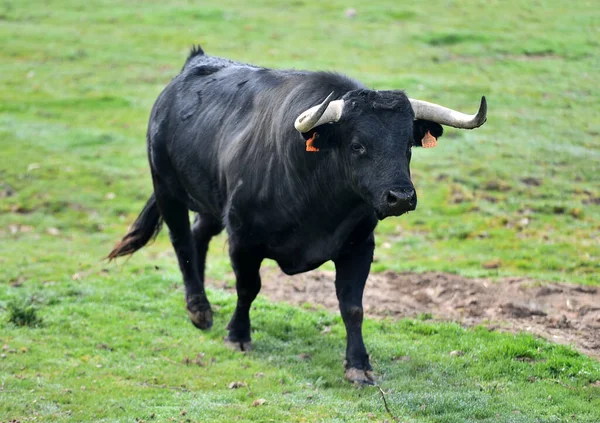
x: 562, y: 313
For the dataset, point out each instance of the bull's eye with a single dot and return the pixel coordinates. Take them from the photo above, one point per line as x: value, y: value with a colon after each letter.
x: 358, y: 148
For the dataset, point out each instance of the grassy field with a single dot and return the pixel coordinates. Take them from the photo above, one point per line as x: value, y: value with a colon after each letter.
x: 519, y: 196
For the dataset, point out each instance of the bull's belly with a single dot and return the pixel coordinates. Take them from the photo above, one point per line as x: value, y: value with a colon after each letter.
x: 300, y: 263
x: 295, y: 269
x: 300, y: 247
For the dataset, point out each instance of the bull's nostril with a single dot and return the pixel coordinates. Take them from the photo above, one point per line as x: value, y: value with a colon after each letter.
x: 392, y: 200
x: 399, y: 201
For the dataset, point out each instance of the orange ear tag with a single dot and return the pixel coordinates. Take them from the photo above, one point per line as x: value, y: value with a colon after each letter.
x: 309, y: 143
x: 429, y: 141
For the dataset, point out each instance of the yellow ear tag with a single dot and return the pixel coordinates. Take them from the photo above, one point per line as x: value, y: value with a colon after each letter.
x: 429, y: 141
x: 309, y: 143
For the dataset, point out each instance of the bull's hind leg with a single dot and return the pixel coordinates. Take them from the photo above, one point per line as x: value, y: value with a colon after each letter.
x: 246, y: 265
x: 352, y: 269
x: 176, y: 216
x: 203, y: 229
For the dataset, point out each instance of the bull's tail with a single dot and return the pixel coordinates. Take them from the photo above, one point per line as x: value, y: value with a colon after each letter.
x: 145, y: 228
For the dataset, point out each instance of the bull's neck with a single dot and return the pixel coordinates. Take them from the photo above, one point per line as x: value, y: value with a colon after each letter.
x: 325, y: 185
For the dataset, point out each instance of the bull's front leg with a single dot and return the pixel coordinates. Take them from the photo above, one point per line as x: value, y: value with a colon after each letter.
x: 246, y: 265
x: 352, y: 269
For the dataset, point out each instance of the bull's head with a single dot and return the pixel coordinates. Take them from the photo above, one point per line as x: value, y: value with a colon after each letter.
x: 377, y: 130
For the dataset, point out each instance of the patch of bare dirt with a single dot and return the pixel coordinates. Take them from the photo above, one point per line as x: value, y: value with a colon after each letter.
x: 562, y: 313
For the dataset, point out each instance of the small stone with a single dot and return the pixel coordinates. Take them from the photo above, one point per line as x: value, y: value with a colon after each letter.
x: 576, y: 213
x: 235, y: 385
x: 53, y: 231
x: 492, y: 264
x: 536, y: 182
x: 350, y: 13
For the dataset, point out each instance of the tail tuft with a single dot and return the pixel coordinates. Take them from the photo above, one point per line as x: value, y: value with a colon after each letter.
x: 145, y: 228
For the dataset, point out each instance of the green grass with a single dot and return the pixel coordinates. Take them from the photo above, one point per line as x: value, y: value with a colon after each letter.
x: 77, y: 81
x: 23, y: 314
x: 111, y: 354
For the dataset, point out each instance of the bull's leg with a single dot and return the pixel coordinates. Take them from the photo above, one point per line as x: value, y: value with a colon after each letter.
x: 203, y: 229
x: 176, y: 216
x: 352, y: 269
x: 246, y: 265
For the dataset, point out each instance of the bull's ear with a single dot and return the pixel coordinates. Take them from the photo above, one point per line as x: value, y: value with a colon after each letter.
x: 320, y: 138
x: 422, y: 127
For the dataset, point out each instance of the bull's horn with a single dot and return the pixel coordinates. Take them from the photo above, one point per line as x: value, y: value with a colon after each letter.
x: 444, y: 116
x: 327, y: 111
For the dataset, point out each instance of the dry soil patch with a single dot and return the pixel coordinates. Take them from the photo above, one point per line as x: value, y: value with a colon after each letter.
x: 562, y: 313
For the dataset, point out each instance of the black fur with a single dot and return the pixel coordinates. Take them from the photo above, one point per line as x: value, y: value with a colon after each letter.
x: 222, y: 143
x: 194, y: 52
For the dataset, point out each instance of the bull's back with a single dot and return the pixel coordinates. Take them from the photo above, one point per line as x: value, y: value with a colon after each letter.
x: 198, y: 123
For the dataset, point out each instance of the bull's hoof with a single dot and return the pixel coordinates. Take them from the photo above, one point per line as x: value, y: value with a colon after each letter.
x: 200, y: 313
x: 360, y: 377
x: 238, y: 345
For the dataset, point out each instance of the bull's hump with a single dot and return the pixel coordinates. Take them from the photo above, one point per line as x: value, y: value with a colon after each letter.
x: 204, y: 61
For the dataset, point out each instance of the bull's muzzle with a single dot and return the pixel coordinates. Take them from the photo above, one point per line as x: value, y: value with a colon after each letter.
x: 397, y: 202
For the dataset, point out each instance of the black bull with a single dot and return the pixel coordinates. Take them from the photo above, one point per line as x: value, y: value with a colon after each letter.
x: 222, y: 143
